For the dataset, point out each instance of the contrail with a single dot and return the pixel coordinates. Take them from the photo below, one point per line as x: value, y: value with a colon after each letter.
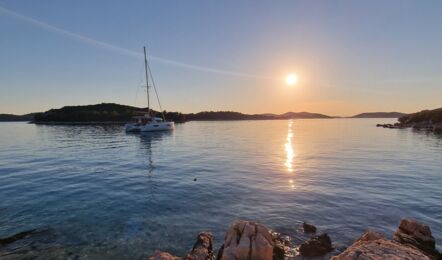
x: 120, y: 50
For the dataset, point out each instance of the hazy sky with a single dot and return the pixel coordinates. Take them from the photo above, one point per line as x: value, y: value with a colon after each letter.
x: 350, y: 56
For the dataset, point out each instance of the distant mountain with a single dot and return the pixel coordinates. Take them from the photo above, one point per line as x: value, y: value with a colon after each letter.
x: 230, y: 115
x: 13, y: 118
x: 302, y: 115
x: 379, y: 115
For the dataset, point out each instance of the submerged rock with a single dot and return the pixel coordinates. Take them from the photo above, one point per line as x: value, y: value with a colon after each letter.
x: 18, y: 236
x: 247, y: 240
x: 316, y: 246
x: 417, y: 235
x: 308, y: 228
x: 159, y: 255
x: 28, y: 244
x: 203, y: 247
x: 372, y: 245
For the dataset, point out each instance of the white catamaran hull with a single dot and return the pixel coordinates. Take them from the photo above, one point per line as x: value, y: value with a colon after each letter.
x: 151, y: 127
x: 148, y: 123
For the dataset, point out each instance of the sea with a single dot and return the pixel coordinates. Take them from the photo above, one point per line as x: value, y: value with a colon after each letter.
x: 96, y: 192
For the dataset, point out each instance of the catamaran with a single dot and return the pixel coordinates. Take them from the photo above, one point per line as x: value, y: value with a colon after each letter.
x: 145, y: 122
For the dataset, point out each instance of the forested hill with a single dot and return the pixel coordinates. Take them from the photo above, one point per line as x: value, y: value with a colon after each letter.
x: 105, y: 112
x: 423, y: 117
x: 229, y: 115
x: 379, y: 115
x: 110, y: 112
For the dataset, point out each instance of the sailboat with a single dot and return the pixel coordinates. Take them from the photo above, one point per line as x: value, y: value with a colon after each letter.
x: 144, y: 122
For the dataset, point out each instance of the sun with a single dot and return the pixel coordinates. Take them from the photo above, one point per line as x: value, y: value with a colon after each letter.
x: 291, y: 79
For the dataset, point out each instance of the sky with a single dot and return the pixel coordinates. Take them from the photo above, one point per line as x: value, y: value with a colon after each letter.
x: 350, y: 56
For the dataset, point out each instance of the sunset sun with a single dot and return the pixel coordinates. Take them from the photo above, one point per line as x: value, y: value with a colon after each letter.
x: 291, y: 79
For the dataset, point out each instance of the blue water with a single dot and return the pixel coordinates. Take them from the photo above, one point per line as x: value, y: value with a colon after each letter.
x: 105, y: 193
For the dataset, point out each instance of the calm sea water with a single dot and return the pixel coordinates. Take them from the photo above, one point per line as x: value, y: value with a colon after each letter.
x: 102, y: 192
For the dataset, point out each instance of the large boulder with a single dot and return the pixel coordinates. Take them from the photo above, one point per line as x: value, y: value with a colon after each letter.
x: 417, y: 235
x: 316, y: 246
x: 247, y: 240
x: 372, y: 245
x: 203, y: 247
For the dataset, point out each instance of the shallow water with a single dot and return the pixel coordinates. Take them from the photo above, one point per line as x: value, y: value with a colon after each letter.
x: 107, y: 193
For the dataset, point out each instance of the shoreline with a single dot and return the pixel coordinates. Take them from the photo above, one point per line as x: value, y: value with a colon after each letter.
x: 252, y: 240
x: 179, y: 122
x: 426, y: 126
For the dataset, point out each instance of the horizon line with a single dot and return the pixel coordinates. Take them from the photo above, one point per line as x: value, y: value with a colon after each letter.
x: 278, y: 114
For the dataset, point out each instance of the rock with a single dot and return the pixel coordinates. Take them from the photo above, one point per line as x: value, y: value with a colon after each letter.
x: 28, y: 244
x: 280, y: 246
x: 437, y: 128
x: 247, y: 240
x: 370, y: 235
x: 279, y: 251
x: 417, y: 235
x: 308, y: 228
x: 372, y: 245
x: 159, y: 255
x: 203, y: 247
x: 18, y: 236
x: 316, y: 246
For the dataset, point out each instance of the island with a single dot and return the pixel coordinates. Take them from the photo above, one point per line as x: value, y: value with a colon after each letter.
x: 111, y: 113
x: 16, y: 118
x: 379, y: 115
x: 429, y: 120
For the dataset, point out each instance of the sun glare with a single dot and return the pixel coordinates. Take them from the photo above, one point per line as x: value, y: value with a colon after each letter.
x: 291, y: 79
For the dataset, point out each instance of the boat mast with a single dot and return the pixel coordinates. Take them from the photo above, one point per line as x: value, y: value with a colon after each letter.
x: 147, y: 81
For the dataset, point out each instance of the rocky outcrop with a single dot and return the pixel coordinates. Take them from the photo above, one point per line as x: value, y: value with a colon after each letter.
x: 437, y: 128
x: 203, y: 248
x: 316, y: 246
x: 412, y: 240
x: 281, y: 246
x: 247, y: 240
x: 372, y: 245
x: 308, y: 228
x: 417, y: 235
x: 159, y: 255
x: 391, y: 126
x: 427, y: 120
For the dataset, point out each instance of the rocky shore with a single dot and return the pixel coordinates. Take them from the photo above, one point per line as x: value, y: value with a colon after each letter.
x: 251, y: 240
x: 428, y: 120
x: 426, y: 126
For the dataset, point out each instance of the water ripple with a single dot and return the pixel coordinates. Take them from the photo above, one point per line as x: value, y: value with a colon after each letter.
x: 120, y: 195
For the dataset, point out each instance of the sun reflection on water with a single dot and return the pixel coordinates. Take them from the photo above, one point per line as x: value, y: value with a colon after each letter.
x: 290, y: 153
x: 289, y: 149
